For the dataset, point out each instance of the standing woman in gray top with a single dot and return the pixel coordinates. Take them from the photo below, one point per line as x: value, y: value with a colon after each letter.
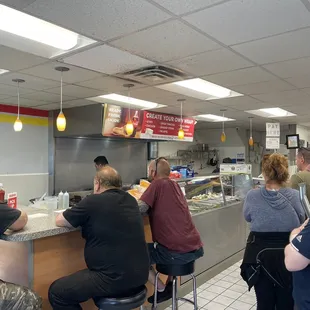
x: 272, y: 211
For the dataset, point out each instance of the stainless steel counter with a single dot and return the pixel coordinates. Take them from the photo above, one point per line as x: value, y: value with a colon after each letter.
x: 223, y: 231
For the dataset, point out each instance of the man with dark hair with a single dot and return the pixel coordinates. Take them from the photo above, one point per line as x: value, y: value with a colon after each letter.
x: 115, y: 251
x: 100, y: 162
x: 303, y: 174
x: 176, y: 239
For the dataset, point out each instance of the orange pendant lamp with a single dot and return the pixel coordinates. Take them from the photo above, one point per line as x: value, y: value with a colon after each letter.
x: 129, y: 128
x: 61, y: 122
x: 223, y: 134
x: 181, y: 133
x: 18, y: 125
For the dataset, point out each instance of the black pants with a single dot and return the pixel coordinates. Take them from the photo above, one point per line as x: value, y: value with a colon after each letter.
x: 272, y: 297
x: 67, y: 293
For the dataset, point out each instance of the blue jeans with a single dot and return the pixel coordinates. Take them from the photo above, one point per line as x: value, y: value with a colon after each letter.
x: 161, y: 255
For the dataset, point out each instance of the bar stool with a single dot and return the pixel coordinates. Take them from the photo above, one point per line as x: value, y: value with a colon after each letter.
x: 176, y: 271
x: 123, y: 303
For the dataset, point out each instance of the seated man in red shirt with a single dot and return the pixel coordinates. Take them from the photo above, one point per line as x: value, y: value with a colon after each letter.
x: 176, y: 239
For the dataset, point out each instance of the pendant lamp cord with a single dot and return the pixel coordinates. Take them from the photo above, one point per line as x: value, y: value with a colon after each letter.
x: 251, y: 130
x: 223, y: 122
x: 18, y: 107
x: 181, y: 115
x: 61, y: 92
x: 129, y: 101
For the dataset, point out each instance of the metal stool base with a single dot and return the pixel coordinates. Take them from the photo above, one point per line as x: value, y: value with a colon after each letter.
x: 175, y: 293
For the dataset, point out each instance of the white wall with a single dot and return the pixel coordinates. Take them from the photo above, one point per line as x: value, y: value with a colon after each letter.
x: 24, y: 160
x: 304, y: 133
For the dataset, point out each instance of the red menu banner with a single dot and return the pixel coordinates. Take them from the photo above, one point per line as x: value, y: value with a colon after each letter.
x: 147, y: 124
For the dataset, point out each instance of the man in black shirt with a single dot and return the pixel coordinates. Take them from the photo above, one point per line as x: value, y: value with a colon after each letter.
x: 115, y: 252
x: 14, y: 296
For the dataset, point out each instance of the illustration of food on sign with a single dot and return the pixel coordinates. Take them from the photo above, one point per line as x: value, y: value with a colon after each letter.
x: 121, y: 132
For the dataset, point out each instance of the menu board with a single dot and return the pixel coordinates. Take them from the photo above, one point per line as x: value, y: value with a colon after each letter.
x: 147, y: 124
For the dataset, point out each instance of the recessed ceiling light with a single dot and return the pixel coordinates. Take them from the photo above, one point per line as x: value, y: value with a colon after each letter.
x: 2, y: 71
x: 214, y: 118
x: 200, y: 89
x: 26, y: 27
x: 271, y: 112
x: 126, y: 100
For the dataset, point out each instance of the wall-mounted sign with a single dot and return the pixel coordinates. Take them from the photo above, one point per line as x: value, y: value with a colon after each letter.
x: 147, y: 124
x: 272, y: 129
x: 272, y: 143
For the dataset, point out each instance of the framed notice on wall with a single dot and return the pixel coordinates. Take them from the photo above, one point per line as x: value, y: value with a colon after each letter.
x: 148, y: 125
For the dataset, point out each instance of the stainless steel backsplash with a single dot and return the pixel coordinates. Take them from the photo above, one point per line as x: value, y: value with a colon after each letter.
x: 74, y: 166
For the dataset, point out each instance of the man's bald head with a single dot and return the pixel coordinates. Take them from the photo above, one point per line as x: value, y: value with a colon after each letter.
x: 107, y: 178
x: 159, y: 168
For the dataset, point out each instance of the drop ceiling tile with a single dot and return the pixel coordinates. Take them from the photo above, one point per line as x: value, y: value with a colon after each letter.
x: 75, y: 91
x: 211, y: 62
x: 230, y: 21
x: 180, y: 7
x: 282, y: 47
x: 47, y: 97
x: 240, y: 103
x: 17, y: 4
x: 14, y: 60
x: 263, y: 87
x: 158, y: 95
x: 290, y: 68
x: 107, y: 84
x: 47, y: 71
x: 107, y: 59
x: 48, y: 107
x: 300, y: 81
x: 11, y: 90
x: 66, y: 104
x: 99, y: 19
x: 78, y: 103
x: 240, y: 77
x: 23, y: 102
x: 285, y: 98
x: 31, y: 82
x: 176, y: 41
x: 307, y: 90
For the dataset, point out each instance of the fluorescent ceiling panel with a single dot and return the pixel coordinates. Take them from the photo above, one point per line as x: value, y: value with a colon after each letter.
x: 2, y: 71
x: 271, y: 113
x: 126, y: 101
x: 213, y: 118
x: 200, y: 89
x: 30, y: 34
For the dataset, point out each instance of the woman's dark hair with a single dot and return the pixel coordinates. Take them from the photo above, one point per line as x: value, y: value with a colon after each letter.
x: 275, y: 168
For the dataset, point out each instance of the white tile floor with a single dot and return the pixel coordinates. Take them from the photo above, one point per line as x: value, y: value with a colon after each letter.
x: 226, y: 291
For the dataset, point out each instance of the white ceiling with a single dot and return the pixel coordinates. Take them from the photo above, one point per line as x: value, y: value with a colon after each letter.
x: 258, y: 48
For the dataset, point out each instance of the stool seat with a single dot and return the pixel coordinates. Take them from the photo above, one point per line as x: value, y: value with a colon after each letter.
x: 176, y: 270
x: 123, y: 303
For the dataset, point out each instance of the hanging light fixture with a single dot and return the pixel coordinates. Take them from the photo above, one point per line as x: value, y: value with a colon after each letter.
x: 251, y: 141
x: 61, y: 121
x: 18, y: 125
x: 181, y: 131
x: 129, y: 126
x: 223, y: 135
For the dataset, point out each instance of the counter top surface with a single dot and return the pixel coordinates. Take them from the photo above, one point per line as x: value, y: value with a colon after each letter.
x: 40, y: 224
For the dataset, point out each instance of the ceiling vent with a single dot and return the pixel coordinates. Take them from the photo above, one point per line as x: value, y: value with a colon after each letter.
x: 154, y: 75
